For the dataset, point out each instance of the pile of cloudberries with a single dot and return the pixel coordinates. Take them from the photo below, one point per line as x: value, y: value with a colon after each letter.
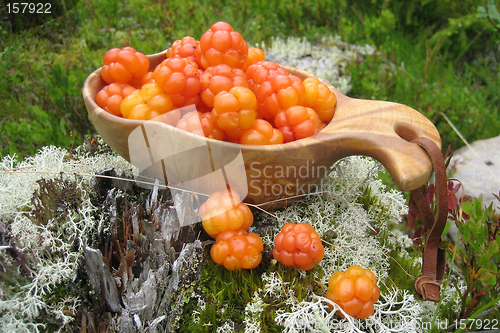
x: 227, y: 219
x: 250, y: 100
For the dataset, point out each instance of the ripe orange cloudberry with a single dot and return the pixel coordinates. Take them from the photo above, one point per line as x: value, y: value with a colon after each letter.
x: 355, y: 291
x: 139, y: 82
x: 146, y: 103
x: 262, y: 71
x: 298, y: 246
x: 237, y: 249
x: 221, y: 45
x: 111, y: 96
x: 261, y: 133
x: 180, y: 78
x: 235, y: 110
x: 224, y: 211
x: 183, y: 48
x: 123, y: 65
x: 202, y: 124
x: 254, y: 55
x: 297, y: 122
x: 320, y: 98
x: 220, y: 78
x: 278, y: 94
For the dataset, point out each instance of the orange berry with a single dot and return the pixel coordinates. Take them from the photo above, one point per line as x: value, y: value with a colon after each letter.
x: 224, y: 211
x: 123, y: 65
x: 146, y: 103
x: 221, y: 45
x: 355, y: 291
x: 254, y: 55
x: 235, y: 110
x: 210, y: 128
x: 298, y: 246
x: 111, y: 96
x: 320, y: 98
x: 220, y: 78
x: 278, y: 94
x: 297, y: 122
x: 180, y: 78
x: 201, y: 124
x: 354, y: 271
x: 261, y: 133
x: 139, y: 82
x: 262, y: 71
x: 190, y: 122
x: 183, y: 48
x: 363, y: 288
x: 237, y: 249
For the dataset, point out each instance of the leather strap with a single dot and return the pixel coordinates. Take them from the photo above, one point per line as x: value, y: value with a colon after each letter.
x: 434, y: 258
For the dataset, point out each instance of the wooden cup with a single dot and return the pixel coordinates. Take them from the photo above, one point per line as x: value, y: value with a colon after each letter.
x: 275, y: 175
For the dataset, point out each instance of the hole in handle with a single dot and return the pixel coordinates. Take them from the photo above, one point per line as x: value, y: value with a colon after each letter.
x: 407, y: 132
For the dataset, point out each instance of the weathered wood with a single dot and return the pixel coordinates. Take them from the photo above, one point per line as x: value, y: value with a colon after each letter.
x: 138, y: 277
x: 382, y: 130
x: 101, y: 280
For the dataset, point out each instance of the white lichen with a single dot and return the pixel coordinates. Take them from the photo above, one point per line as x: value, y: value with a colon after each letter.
x: 253, y: 312
x: 328, y: 59
x: 51, y: 250
x: 395, y: 312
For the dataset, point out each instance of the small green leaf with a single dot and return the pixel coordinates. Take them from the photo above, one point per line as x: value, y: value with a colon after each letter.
x: 488, y: 278
x: 13, y: 149
x: 62, y: 125
x: 484, y: 260
x: 481, y: 12
x: 493, y: 248
x: 467, y: 207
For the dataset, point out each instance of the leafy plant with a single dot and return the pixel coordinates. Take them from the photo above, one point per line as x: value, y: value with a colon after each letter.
x: 490, y: 12
x: 476, y: 253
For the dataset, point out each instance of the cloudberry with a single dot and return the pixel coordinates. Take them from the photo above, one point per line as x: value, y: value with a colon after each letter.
x: 123, y: 65
x: 254, y: 55
x: 221, y: 45
x: 111, y: 96
x: 201, y: 124
x: 298, y: 246
x: 261, y: 133
x: 224, y: 211
x: 279, y: 93
x: 220, y: 78
x: 262, y: 71
x: 355, y: 291
x: 320, y: 98
x: 183, y: 48
x: 297, y: 122
x: 139, y: 82
x: 237, y: 249
x: 180, y: 78
x: 235, y: 110
x: 146, y: 103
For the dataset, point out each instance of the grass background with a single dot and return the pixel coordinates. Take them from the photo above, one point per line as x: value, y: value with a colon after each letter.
x: 444, y: 56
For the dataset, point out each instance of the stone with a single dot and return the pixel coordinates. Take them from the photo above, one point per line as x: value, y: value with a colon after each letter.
x: 478, y: 169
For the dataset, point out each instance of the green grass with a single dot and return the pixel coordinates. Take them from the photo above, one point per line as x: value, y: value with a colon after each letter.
x: 443, y: 56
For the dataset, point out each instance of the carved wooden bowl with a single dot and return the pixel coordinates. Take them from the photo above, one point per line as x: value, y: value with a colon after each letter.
x: 273, y: 175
